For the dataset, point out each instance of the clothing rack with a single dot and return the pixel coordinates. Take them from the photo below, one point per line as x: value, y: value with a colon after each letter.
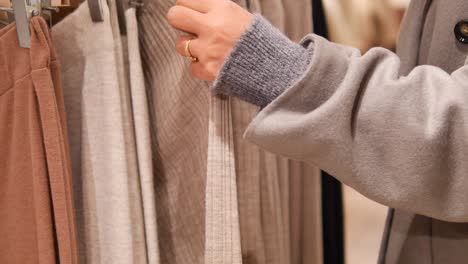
x: 22, y: 11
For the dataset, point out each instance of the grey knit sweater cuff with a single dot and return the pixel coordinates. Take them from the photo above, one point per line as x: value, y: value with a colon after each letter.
x: 263, y: 64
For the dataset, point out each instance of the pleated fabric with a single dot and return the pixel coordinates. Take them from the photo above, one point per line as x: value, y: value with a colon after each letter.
x: 143, y: 137
x: 280, y: 199
x: 179, y: 112
x: 37, y: 221
x: 279, y: 202
x: 222, y: 239
x: 102, y: 143
x: 133, y: 178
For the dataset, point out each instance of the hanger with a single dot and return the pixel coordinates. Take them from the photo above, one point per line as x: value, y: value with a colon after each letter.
x: 95, y: 9
x: 22, y: 11
x: 121, y: 7
x: 121, y: 16
x: 135, y: 3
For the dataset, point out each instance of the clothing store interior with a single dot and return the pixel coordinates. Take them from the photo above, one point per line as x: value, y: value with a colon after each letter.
x: 111, y: 152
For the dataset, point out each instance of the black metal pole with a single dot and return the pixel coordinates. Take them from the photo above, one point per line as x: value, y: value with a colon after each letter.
x: 332, y: 197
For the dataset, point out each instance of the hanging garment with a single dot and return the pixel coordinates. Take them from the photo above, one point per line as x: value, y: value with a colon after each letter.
x: 105, y: 177
x: 287, y: 226
x: 278, y: 200
x: 222, y: 239
x: 134, y: 184
x: 37, y: 221
x: 143, y: 137
x: 179, y: 107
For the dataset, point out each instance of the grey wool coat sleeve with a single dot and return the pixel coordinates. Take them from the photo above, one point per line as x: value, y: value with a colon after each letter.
x: 400, y: 140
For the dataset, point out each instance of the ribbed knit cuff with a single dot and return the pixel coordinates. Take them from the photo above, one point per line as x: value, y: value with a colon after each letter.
x: 262, y: 65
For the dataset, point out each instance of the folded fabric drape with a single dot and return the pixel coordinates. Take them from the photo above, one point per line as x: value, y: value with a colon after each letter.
x: 37, y: 221
x: 105, y: 175
x: 278, y: 199
x: 287, y: 226
x: 141, y: 120
x: 222, y: 232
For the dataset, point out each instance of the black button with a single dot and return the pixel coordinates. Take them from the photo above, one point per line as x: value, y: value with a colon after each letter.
x: 461, y: 31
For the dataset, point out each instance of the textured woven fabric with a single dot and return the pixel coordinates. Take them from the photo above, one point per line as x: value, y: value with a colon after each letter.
x: 179, y: 107
x: 37, y: 222
x: 105, y: 179
x: 141, y: 120
x: 222, y: 239
x: 278, y: 199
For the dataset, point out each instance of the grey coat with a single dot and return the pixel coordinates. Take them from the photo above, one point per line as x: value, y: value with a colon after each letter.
x: 394, y: 127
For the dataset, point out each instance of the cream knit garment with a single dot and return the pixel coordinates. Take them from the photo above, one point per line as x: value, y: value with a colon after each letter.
x: 222, y: 233
x: 105, y: 180
x: 142, y: 136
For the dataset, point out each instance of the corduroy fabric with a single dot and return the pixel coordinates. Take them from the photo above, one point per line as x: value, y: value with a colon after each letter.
x: 37, y: 221
x: 105, y: 179
x: 222, y: 232
x: 279, y: 200
x: 179, y: 107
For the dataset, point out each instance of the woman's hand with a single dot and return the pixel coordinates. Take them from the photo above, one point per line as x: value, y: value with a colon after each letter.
x: 216, y: 26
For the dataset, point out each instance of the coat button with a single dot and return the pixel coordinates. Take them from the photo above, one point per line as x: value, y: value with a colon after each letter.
x: 461, y: 31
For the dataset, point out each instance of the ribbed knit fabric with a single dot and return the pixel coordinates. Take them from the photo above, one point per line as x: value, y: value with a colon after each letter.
x: 143, y: 137
x: 263, y: 58
x: 278, y: 199
x: 179, y: 107
x: 222, y: 233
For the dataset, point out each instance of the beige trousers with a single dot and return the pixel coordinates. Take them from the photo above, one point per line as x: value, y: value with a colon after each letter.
x: 105, y: 173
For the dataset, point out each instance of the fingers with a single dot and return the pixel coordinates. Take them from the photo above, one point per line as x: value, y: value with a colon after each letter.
x: 202, y: 6
x: 194, y: 46
x: 199, y: 72
x: 185, y: 19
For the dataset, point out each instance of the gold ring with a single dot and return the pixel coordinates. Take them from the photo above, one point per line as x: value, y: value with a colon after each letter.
x: 188, y: 53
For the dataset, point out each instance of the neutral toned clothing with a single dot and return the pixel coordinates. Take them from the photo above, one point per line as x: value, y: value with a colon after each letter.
x: 141, y: 119
x: 133, y: 178
x: 222, y: 233
x: 284, y: 196
x: 392, y: 127
x: 278, y: 200
x: 37, y: 221
x: 109, y: 222
x: 179, y: 131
